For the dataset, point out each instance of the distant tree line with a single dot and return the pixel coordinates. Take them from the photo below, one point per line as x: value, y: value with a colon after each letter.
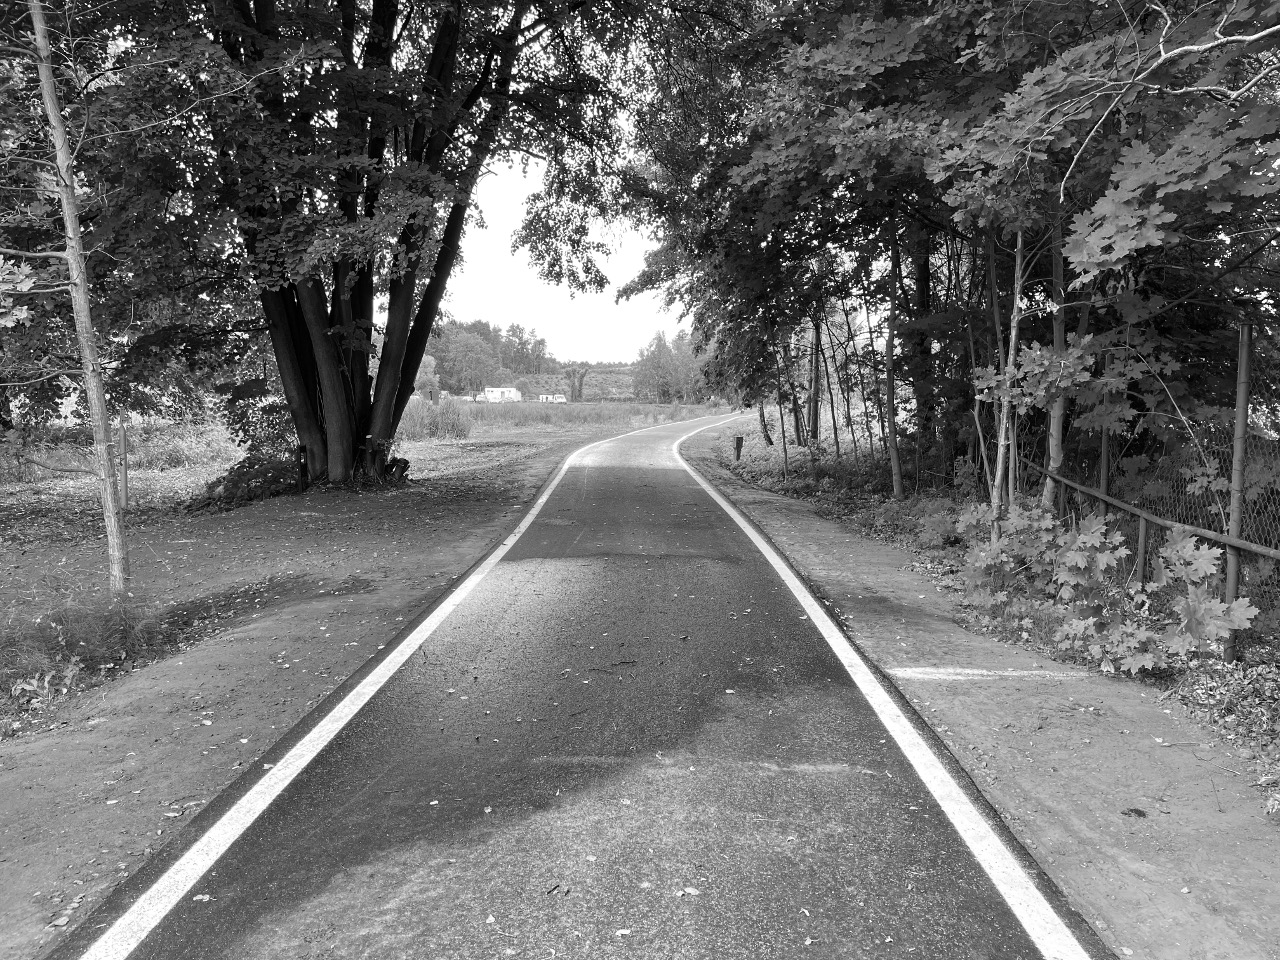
x: 475, y: 355
x: 667, y: 371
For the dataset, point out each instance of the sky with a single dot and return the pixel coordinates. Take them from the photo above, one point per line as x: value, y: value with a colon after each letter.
x: 501, y: 287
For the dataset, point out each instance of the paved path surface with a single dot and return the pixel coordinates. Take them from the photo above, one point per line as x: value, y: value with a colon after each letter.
x: 627, y: 739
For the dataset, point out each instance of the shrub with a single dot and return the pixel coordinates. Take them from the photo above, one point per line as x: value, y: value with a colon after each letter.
x: 1131, y: 625
x: 258, y: 418
x: 256, y: 477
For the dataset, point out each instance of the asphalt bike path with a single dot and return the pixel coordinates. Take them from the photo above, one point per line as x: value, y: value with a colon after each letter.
x: 629, y: 731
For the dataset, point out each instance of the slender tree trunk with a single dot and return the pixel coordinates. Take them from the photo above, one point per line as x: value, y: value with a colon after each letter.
x: 764, y: 424
x: 891, y: 401
x: 86, y: 336
x: 842, y: 383
x: 815, y: 382
x: 1058, y: 408
x: 835, y: 429
x: 1006, y: 405
x: 782, y: 417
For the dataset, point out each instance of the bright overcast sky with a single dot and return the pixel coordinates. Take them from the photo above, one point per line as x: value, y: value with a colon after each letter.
x: 495, y: 285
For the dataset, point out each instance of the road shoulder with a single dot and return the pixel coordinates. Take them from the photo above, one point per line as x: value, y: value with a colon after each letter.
x: 1129, y: 806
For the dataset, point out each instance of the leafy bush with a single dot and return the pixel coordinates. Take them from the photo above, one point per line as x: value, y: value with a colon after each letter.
x: 1113, y: 620
x: 258, y: 418
x: 256, y: 477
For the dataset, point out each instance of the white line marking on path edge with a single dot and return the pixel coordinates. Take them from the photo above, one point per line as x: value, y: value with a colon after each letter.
x: 133, y: 926
x: 1043, y: 925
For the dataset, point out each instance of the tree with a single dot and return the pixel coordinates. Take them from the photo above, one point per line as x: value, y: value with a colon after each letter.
x: 60, y: 184
x: 901, y: 161
x: 347, y: 163
x: 466, y: 361
x: 575, y: 375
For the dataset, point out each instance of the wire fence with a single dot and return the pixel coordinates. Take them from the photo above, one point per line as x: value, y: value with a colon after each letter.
x: 1186, y: 480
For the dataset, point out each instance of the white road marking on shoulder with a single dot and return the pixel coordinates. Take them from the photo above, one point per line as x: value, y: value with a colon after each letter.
x: 974, y: 673
x: 133, y: 926
x: 1043, y: 925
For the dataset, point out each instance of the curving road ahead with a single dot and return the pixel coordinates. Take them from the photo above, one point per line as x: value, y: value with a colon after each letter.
x: 629, y: 732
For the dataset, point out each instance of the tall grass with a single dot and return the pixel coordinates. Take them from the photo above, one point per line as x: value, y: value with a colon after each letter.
x: 450, y: 420
x: 152, y: 445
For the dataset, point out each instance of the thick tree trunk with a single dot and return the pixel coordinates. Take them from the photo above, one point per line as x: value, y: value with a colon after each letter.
x: 86, y: 336
x: 296, y: 391
x: 891, y: 401
x: 391, y: 362
x: 339, y: 427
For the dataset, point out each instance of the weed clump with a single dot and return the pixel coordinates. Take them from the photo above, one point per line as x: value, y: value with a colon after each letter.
x: 83, y: 638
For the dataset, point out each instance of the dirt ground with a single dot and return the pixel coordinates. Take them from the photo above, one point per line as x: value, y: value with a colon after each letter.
x: 1144, y: 818
x: 295, y: 595
x: 1146, y: 821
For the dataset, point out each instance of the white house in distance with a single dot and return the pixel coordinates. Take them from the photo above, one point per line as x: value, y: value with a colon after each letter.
x: 500, y: 395
x: 552, y: 398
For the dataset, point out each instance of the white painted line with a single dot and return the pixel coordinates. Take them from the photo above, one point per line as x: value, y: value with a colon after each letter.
x: 974, y: 673
x: 123, y: 936
x: 1045, y: 928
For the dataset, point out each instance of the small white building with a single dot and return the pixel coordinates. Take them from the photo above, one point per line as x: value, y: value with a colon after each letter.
x: 559, y: 398
x: 501, y: 395
x: 545, y: 398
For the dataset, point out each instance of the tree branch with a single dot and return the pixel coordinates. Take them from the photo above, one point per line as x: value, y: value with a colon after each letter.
x: 46, y: 254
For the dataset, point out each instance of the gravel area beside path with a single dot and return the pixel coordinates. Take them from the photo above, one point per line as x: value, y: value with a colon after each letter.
x: 1145, y: 820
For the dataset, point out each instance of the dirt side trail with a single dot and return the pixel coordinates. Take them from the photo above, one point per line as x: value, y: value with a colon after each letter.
x: 1145, y: 820
x: 294, y: 593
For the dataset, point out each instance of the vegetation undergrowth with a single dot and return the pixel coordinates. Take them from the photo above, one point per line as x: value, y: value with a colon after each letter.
x: 1064, y: 588
x: 75, y: 640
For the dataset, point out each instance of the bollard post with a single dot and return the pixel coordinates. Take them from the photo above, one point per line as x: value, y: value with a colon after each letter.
x: 737, y: 448
x: 300, y: 455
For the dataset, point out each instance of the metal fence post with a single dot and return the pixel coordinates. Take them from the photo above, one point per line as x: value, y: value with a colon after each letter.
x: 1237, y: 477
x: 737, y: 448
x: 1140, y: 569
x: 1104, y: 463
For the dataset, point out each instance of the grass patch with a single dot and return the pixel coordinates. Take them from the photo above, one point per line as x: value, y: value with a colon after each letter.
x: 449, y: 420
x: 75, y: 639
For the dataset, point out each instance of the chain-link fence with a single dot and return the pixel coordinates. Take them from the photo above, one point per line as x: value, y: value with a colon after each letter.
x: 1186, y: 480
